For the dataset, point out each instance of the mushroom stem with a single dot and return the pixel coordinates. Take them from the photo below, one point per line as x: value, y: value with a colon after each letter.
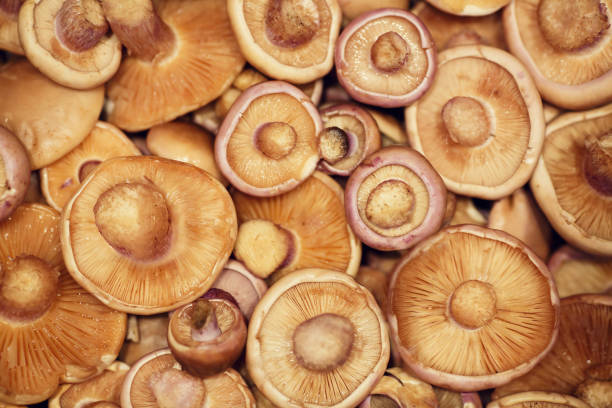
x: 139, y: 28
x: 204, y: 325
x: 11, y: 7
x: 81, y: 24
x: 598, y: 164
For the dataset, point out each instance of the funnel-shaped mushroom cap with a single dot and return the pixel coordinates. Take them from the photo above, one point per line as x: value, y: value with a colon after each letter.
x: 146, y: 234
x: 60, y: 180
x: 576, y: 272
x: 201, y: 61
x: 585, y: 341
x: 538, y: 399
x: 469, y: 7
x: 51, y: 329
x: 472, y: 308
x: 566, y: 46
x: 573, y: 179
x: 481, y: 124
x: 317, y: 339
x: 9, y: 26
x: 49, y: 119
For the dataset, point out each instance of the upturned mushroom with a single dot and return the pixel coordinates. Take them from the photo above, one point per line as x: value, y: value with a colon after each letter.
x: 576, y: 272
x: 14, y: 173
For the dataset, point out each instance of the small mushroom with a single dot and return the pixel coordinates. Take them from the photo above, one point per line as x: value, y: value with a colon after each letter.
x: 61, y: 179
x: 572, y: 182
x: 566, y: 47
x: 146, y: 235
x: 149, y: 333
x: 51, y: 330
x: 538, y: 399
x: 317, y: 339
x: 245, y: 287
x: 472, y: 308
x: 481, y: 124
x: 14, y: 173
x: 287, y: 40
x: 469, y: 7
x: 69, y: 41
x: 352, y: 9
x: 576, y: 272
x: 207, y: 336
x: 30, y: 108
x: 304, y: 228
x: 181, y: 56
x: 451, y: 399
x: 9, y: 26
x: 267, y: 144
x: 184, y: 142
x: 386, y: 58
x: 394, y: 199
x: 350, y: 134
x: 397, y: 389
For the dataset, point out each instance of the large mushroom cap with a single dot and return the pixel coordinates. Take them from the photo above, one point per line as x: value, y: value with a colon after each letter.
x: 573, y: 179
x: 51, y: 329
x: 481, y: 124
x: 472, y: 308
x: 317, y: 339
x: 566, y: 47
x: 30, y: 108
x: 147, y: 234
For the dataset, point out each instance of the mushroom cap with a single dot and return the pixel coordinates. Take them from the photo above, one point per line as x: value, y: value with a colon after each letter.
x: 245, y: 287
x: 149, y: 334
x: 560, y: 185
x: 79, y: 70
x: 538, y: 398
x: 466, y: 212
x: 403, y: 390
x: 576, y: 272
x: 472, y: 308
x: 69, y: 336
x: 9, y: 27
x: 452, y: 399
x: 49, y: 119
x: 469, y: 7
x: 61, y: 179
x: 147, y: 269
x: 14, y: 173
x: 576, y: 79
x: 489, y: 78
x: 299, y: 298
x: 301, y: 57
x: 585, y: 339
x: 389, y: 126
x: 205, y: 61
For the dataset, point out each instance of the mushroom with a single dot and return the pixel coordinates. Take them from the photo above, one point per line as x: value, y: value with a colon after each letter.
x: 350, y: 134
x: 386, y: 58
x: 156, y: 380
x: 267, y: 144
x: 584, y: 344
x: 397, y: 389
x: 448, y: 30
x: 451, y: 399
x: 519, y: 215
x: 61, y: 179
x: 384, y: 261
x: 105, y: 387
x: 466, y: 212
x: 550, y: 112
x: 394, y: 199
x: 472, y: 308
x: 572, y: 182
x: 469, y: 7
x: 245, y: 287
x: 596, y: 390
x: 304, y: 228
x: 352, y: 9
x: 150, y: 333
x: 538, y: 399
x: 14, y: 173
x: 68, y: 41
x: 481, y: 124
x: 207, y: 118
x: 207, y: 336
x: 181, y: 55
x: 389, y: 127
x: 376, y: 282
x: 34, y: 193
x: 51, y: 330
x: 147, y: 235
x: 9, y: 31
x: 317, y: 339
x: 184, y: 142
x: 576, y: 272
x: 566, y: 47
x: 29, y: 108
x: 287, y: 40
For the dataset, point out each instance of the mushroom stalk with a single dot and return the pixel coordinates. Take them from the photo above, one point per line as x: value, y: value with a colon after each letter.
x: 81, y: 24
x: 139, y: 28
x: 204, y: 325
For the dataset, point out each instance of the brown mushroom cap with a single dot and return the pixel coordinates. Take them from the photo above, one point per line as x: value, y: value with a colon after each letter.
x: 290, y: 41
x: 538, y: 399
x: 14, y: 173
x: 30, y: 108
x: 585, y: 341
x: 469, y: 7
x: 51, y: 330
x: 67, y: 41
x: 61, y: 179
x: 317, y: 338
x: 572, y: 182
x: 202, y: 60
x: 576, y: 272
x: 472, y: 308
x: 9, y: 23
x: 481, y: 124
x: 566, y: 47
x: 147, y: 234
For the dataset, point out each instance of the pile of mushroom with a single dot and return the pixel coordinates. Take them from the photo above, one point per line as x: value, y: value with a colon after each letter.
x: 306, y: 203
